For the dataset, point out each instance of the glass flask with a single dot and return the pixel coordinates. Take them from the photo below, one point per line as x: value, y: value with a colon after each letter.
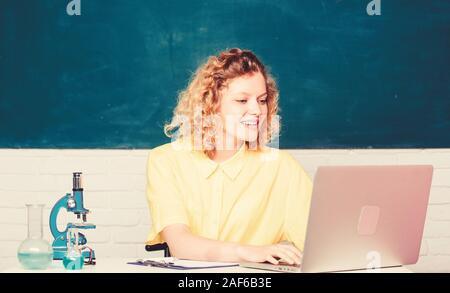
x: 35, y: 253
x: 74, y: 259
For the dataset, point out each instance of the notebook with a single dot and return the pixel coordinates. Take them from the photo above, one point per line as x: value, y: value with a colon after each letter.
x: 181, y: 264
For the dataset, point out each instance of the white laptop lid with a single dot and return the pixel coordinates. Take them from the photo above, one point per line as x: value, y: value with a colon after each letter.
x: 366, y: 216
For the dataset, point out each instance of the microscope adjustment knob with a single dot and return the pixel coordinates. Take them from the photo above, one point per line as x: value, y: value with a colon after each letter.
x: 71, y: 203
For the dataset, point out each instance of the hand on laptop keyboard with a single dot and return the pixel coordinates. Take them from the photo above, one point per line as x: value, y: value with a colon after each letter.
x: 276, y: 253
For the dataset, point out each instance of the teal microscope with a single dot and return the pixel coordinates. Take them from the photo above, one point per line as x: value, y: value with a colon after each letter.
x: 72, y: 203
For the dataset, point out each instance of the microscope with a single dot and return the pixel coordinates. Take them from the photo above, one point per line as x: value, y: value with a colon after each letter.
x: 72, y: 203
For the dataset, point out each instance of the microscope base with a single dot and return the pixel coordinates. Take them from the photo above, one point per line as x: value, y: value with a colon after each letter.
x: 58, y: 254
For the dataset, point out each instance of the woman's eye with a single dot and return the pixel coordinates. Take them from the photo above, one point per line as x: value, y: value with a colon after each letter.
x: 242, y: 101
x: 263, y: 101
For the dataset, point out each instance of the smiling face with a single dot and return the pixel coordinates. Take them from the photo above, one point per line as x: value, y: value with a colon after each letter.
x: 243, y: 109
x: 230, y: 100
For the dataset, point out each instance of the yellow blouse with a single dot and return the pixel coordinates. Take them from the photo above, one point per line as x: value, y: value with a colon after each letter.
x: 254, y: 197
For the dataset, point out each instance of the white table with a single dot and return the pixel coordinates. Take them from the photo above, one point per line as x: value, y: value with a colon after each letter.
x: 119, y: 265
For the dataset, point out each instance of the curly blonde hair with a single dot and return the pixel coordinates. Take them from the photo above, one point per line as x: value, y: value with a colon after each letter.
x: 202, y: 96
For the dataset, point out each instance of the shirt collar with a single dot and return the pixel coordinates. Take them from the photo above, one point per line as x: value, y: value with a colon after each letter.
x: 234, y: 165
x: 231, y: 167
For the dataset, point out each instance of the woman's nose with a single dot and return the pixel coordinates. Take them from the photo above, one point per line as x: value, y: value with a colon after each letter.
x: 254, y: 108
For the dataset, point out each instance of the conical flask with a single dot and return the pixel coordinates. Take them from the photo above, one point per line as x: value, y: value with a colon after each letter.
x: 35, y: 253
x: 74, y: 259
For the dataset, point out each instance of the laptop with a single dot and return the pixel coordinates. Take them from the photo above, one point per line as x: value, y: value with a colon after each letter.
x: 363, y: 217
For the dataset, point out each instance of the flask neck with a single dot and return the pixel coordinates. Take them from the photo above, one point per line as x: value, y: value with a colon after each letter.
x: 34, y: 212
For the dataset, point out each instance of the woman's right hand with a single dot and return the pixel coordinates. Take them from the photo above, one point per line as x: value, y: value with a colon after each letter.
x: 275, y: 253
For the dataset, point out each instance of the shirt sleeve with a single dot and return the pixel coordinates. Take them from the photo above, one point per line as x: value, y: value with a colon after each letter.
x: 164, y: 197
x: 297, y: 206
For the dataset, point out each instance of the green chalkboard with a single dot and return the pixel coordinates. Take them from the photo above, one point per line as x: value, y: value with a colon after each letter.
x: 109, y: 77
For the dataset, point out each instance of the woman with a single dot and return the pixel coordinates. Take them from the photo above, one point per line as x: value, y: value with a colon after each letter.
x: 217, y: 193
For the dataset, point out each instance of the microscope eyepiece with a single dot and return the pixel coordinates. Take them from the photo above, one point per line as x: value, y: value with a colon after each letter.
x: 77, y: 182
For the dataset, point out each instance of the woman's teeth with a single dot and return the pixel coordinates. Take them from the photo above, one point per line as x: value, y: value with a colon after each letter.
x: 250, y: 123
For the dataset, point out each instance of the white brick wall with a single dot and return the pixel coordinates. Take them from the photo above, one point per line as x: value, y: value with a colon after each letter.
x: 114, y: 182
